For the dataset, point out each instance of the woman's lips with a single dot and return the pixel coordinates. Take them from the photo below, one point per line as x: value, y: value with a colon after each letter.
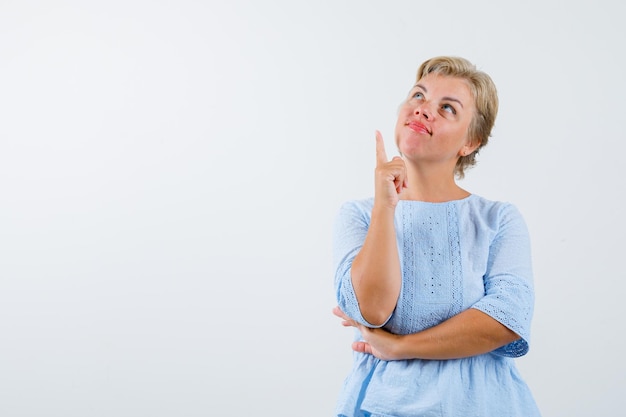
x: 418, y: 127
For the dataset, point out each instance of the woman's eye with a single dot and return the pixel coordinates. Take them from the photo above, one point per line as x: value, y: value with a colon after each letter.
x: 448, y: 108
x: 418, y: 95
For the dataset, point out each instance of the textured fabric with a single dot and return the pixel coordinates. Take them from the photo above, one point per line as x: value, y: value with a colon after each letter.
x: 469, y: 253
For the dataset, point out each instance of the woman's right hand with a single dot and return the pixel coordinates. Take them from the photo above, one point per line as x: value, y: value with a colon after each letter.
x: 390, y: 176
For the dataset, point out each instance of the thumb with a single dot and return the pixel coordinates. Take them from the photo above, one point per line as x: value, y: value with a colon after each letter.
x: 362, y: 347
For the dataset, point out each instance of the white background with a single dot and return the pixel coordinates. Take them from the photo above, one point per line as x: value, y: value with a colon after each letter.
x: 170, y: 172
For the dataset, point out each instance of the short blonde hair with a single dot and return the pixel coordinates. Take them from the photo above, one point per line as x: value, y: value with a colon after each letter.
x: 485, y: 98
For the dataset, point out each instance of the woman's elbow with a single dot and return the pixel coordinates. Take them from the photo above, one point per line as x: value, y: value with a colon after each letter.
x: 376, y: 316
x: 502, y: 337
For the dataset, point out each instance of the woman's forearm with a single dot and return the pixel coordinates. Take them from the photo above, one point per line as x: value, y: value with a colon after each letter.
x: 469, y: 333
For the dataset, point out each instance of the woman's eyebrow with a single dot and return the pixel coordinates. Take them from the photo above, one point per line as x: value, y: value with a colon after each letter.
x: 453, y: 99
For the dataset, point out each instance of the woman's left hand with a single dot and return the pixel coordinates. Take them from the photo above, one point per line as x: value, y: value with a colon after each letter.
x: 377, y: 342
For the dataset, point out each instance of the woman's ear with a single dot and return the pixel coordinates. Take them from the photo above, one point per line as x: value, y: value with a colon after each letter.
x: 468, y: 148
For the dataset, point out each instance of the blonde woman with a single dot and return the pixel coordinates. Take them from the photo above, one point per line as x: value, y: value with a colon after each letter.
x: 436, y: 280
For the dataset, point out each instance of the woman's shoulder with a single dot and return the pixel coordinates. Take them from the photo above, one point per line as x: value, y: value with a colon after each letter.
x: 362, y: 204
x: 495, y: 212
x: 488, y: 205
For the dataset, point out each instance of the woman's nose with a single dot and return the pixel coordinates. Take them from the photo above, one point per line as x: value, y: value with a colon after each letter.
x: 423, y: 110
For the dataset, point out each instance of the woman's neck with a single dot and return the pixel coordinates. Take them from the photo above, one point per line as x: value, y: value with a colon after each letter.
x: 432, y: 186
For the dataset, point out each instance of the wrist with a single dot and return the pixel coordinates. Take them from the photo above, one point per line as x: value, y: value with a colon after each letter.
x: 383, y: 207
x: 404, y: 347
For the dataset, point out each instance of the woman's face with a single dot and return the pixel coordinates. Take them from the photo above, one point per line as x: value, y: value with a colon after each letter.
x: 434, y: 120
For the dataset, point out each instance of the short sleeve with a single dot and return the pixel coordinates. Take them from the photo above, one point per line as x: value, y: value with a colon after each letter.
x: 509, y: 293
x: 350, y: 229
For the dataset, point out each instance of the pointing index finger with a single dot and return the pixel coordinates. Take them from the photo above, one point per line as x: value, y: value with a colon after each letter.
x: 381, y: 155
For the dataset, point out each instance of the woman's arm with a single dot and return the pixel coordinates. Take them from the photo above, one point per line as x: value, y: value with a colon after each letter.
x: 469, y: 333
x: 376, y: 272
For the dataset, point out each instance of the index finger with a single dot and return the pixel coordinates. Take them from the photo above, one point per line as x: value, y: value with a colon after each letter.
x: 381, y: 155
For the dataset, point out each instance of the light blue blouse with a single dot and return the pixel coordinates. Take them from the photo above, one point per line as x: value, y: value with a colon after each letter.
x: 469, y: 253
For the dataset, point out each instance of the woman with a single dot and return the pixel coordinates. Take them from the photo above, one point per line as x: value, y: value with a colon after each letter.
x: 437, y: 281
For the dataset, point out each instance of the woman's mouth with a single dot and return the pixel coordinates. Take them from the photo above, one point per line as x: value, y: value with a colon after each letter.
x: 418, y: 127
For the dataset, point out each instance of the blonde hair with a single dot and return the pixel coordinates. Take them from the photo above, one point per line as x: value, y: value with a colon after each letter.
x: 485, y: 98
